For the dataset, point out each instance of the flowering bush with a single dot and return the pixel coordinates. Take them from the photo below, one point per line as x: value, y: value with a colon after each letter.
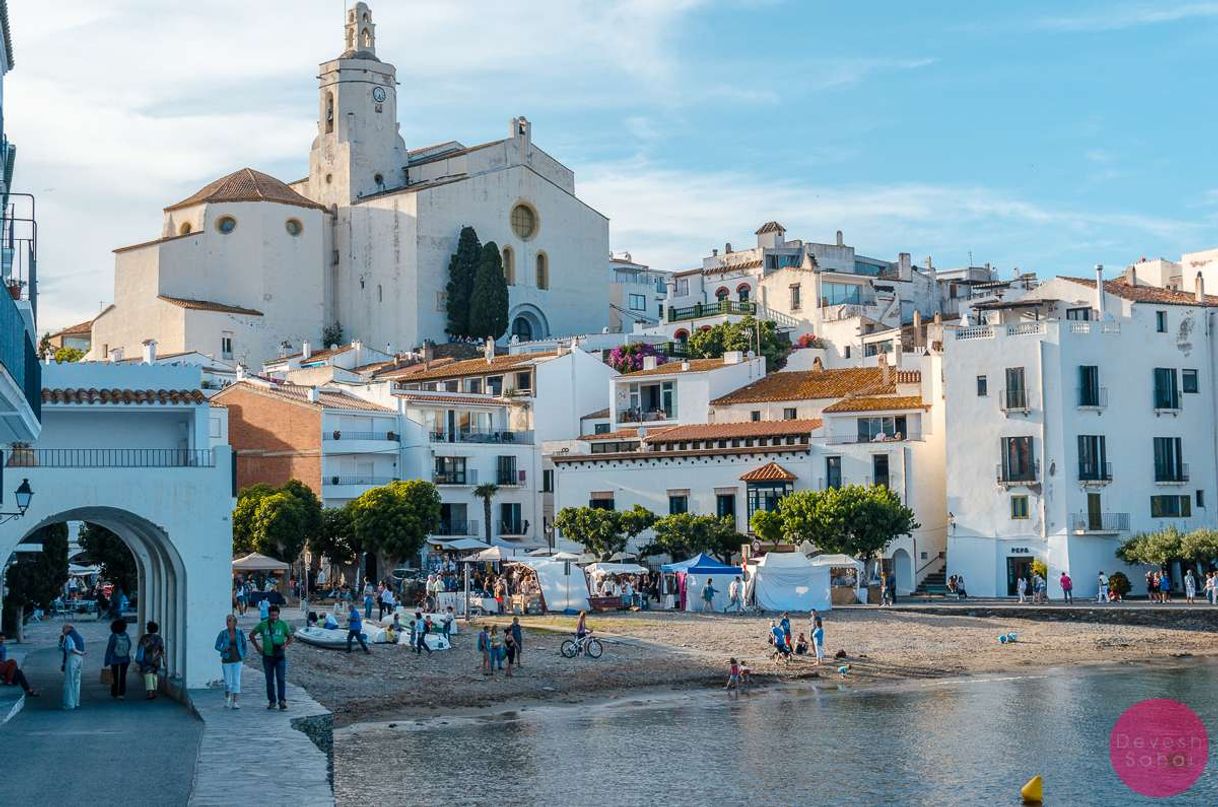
x: 809, y: 340
x: 629, y: 358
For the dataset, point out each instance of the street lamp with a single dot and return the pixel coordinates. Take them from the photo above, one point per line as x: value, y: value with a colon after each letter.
x: 23, y: 494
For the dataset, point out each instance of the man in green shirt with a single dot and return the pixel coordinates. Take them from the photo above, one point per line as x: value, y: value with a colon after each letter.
x: 270, y: 638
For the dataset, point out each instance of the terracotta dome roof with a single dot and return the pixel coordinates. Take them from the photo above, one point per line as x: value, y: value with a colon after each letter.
x: 246, y: 185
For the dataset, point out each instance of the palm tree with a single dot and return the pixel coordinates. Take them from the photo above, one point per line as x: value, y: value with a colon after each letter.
x: 486, y: 493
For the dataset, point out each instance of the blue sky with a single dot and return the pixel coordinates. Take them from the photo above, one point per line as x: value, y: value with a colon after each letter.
x: 1048, y: 136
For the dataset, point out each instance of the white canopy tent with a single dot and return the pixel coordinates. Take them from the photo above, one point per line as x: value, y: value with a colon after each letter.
x: 462, y: 545
x: 493, y: 555
x: 788, y: 581
x: 615, y: 568
x: 254, y: 562
x: 563, y: 585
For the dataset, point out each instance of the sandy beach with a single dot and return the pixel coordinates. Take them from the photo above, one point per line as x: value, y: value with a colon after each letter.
x: 677, y: 651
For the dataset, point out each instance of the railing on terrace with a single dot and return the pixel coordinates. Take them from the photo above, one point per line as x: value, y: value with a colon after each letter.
x: 110, y: 458
x: 1095, y: 472
x: 710, y: 310
x: 833, y: 313
x: 467, y: 478
x: 1092, y: 397
x: 456, y: 528
x: 511, y: 528
x: 1025, y: 328
x: 368, y: 481
x: 521, y: 437
x: 1172, y: 475
x: 508, y: 479
x: 638, y: 416
x: 1018, y: 476
x: 1099, y: 522
x: 346, y: 435
x: 1013, y: 400
x: 845, y: 439
x: 17, y: 354
x: 975, y: 332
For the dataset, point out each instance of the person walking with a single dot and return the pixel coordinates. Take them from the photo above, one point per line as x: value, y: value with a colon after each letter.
x: 243, y: 593
x: 1209, y: 587
x: 369, y: 599
x: 785, y: 624
x: 73, y: 649
x: 1165, y: 587
x: 509, y: 650
x: 484, y: 647
x: 1103, y: 595
x: 271, y: 638
x: 118, y: 658
x: 1021, y: 588
x: 355, y: 627
x: 818, y: 642
x: 446, y: 624
x: 733, y: 596
x: 422, y: 628
x: 148, y: 657
x: 517, y: 637
x: 1067, y: 589
x: 1190, y: 587
x: 230, y: 644
x: 708, y: 595
x: 496, y: 648
x: 884, y: 589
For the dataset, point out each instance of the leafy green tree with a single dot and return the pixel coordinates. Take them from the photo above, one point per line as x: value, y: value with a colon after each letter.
x: 486, y: 492
x: 742, y: 336
x: 396, y: 519
x: 1200, y: 546
x: 636, y: 520
x: 856, y: 520
x: 767, y: 525
x: 1158, y: 548
x: 488, y: 303
x: 278, y: 528
x: 108, y: 551
x: 37, y: 578
x: 683, y: 535
x: 243, y: 516
x: 44, y: 345
x: 68, y: 355
x: 336, y: 538
x: 599, y: 531
x: 332, y: 334
x: 462, y: 269
x: 310, y: 505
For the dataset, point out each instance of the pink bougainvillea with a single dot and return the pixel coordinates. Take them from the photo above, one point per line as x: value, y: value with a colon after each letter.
x: 629, y: 358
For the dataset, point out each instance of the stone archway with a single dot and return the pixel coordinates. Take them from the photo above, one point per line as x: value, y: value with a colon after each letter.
x: 528, y: 323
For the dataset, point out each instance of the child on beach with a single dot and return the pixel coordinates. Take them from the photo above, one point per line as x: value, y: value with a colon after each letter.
x: 746, y: 674
x: 818, y: 641
x: 733, y: 678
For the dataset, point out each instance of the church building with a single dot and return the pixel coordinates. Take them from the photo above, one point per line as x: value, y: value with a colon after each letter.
x: 250, y: 267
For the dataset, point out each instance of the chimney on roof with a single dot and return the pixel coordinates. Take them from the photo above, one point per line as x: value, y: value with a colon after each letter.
x: 727, y: 248
x: 1199, y: 287
x: 1131, y: 275
x: 306, y: 350
x: 149, y: 351
x: 904, y: 267
x: 1100, y: 297
x: 715, y: 252
x: 116, y: 354
x: 358, y: 347
x: 938, y: 320
x: 733, y: 356
x: 841, y: 241
x: 818, y: 366
x: 885, y: 370
x: 429, y: 352
x: 917, y: 328
x: 650, y: 362
x: 313, y: 395
x: 488, y: 350
x: 240, y: 372
x: 685, y: 365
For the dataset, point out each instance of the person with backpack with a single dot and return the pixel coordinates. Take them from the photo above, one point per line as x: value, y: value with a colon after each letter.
x: 118, y: 658
x: 230, y: 644
x: 148, y: 657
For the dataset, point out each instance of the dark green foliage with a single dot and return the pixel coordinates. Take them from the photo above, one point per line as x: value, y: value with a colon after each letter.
x: 37, y: 578
x: 396, y: 518
x: 462, y: 269
x: 742, y: 336
x: 683, y: 535
x: 336, y: 538
x: 108, y: 551
x: 854, y: 520
x: 488, y: 305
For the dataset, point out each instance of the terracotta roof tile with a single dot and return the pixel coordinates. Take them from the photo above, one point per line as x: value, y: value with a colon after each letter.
x: 314, y: 355
x: 621, y: 434
x: 770, y: 227
x: 246, y: 185
x: 451, y: 398
x: 875, y: 403
x: 771, y: 472
x: 92, y: 395
x: 1146, y: 294
x: 326, y: 398
x: 78, y: 329
x: 458, y: 369
x: 722, y: 431
x: 154, y: 241
x: 796, y: 385
x: 676, y: 454
x: 208, y: 305
x: 599, y: 414
x: 673, y: 367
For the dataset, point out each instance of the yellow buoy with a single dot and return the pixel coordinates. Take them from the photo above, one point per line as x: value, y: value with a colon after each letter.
x: 1034, y: 791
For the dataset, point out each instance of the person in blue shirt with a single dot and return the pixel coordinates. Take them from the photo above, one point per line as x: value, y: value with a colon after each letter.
x: 785, y: 624
x: 264, y: 609
x: 818, y: 642
x: 368, y: 601
x: 355, y: 629
x: 780, y: 639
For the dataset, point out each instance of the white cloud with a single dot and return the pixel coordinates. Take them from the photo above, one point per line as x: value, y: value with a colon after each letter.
x: 1113, y: 18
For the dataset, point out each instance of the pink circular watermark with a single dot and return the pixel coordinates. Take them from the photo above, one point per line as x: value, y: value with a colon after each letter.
x: 1158, y: 747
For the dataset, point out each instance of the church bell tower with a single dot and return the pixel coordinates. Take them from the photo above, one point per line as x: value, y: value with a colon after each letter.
x: 358, y: 150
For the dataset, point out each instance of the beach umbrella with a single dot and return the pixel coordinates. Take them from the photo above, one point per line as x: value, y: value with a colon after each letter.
x: 620, y: 556
x: 540, y: 552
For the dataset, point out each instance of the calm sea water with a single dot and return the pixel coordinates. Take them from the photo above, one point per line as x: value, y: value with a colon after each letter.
x: 946, y: 743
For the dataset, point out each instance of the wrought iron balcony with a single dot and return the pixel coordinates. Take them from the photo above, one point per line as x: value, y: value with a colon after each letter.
x: 1091, y: 397
x: 1013, y: 400
x: 710, y: 310
x: 110, y: 458
x: 512, y: 527
x: 1018, y: 476
x: 346, y: 435
x: 1099, y: 522
x: 490, y: 436
x: 1172, y: 474
x: 1095, y: 472
x: 362, y: 481
x: 644, y: 416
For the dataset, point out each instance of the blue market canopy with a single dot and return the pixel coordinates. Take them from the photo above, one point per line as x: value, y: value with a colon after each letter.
x: 700, y: 564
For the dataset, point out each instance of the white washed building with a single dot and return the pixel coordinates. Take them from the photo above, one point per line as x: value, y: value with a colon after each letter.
x: 1074, y: 420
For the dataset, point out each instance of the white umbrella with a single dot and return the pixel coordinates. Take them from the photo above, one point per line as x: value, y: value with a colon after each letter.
x: 540, y: 552
x: 565, y: 556
x: 616, y: 556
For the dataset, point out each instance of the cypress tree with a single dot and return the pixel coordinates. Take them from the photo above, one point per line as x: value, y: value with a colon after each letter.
x: 488, y: 306
x: 462, y: 268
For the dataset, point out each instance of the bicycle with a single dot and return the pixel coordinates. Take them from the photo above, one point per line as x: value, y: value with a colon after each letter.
x: 585, y: 645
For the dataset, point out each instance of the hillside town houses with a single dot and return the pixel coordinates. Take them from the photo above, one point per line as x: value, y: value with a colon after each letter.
x: 1021, y: 419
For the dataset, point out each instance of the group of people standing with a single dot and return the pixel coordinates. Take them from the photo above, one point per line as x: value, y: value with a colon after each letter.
x: 496, y: 647
x: 148, y: 655
x: 779, y: 637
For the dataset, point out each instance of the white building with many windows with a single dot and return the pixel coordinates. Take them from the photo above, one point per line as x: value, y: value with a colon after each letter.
x: 1078, y: 414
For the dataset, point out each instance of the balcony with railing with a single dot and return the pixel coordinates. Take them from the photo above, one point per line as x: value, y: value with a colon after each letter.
x: 1091, y: 397
x: 1095, y: 473
x: 645, y: 416
x: 359, y: 480
x: 498, y: 437
x: 1098, y: 523
x: 1169, y: 474
x: 1014, y: 399
x: 914, y: 435
x: 455, y: 477
x: 457, y: 529
x: 508, y: 478
x: 715, y: 309
x: 388, y: 436
x: 512, y: 528
x: 110, y: 458
x: 1025, y: 475
x: 20, y: 359
x: 1166, y: 400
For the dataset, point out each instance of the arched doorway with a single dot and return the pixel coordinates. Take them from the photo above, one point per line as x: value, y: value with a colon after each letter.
x: 522, y: 329
x: 528, y: 323
x: 902, y: 566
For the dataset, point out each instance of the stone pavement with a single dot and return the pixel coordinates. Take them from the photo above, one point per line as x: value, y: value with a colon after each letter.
x: 253, y: 744
x: 115, y: 752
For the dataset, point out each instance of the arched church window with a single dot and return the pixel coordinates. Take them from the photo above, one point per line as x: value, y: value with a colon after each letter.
x: 294, y: 227
x: 543, y: 271
x: 185, y: 228
x: 509, y: 266
x: 329, y: 112
x: 365, y: 38
x: 524, y: 221
x: 226, y: 224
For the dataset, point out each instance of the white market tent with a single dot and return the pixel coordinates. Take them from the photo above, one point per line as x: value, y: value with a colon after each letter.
x: 563, y: 585
x: 462, y: 545
x: 254, y: 562
x: 693, y: 575
x: 615, y: 568
x: 788, y: 581
x: 492, y: 555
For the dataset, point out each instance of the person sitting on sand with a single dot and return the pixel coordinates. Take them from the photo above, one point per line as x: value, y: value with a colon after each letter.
x: 801, y: 645
x: 733, y: 677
